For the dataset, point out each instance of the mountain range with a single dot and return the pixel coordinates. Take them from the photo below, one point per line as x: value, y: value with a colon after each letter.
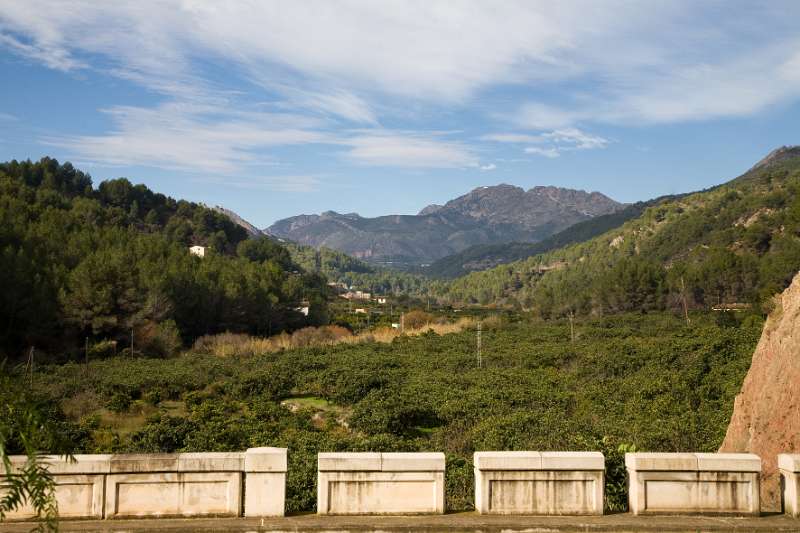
x: 486, y: 215
x: 732, y: 246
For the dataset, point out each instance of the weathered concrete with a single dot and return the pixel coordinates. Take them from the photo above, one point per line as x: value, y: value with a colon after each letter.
x: 455, y: 523
x: 80, y: 485
x: 789, y: 466
x: 693, y: 483
x: 166, y: 485
x: 380, y: 483
x: 766, y: 414
x: 265, y: 482
x: 545, y: 483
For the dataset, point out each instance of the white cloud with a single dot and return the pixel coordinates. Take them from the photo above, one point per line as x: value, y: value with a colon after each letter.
x: 550, y: 153
x: 512, y: 138
x: 189, y: 137
x: 338, y: 103
x: 8, y: 117
x: 400, y: 149
x: 555, y: 142
x: 575, y: 139
x: 490, y: 166
x: 436, y: 50
x: 615, y: 62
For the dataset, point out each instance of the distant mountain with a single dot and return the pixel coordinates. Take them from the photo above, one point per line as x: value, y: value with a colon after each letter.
x: 239, y: 221
x: 485, y: 256
x: 498, y: 214
x: 732, y: 246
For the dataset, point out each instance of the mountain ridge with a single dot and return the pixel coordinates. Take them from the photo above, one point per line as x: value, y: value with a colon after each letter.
x: 736, y: 243
x: 490, y: 214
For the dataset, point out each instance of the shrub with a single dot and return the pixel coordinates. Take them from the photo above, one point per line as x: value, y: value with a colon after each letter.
x: 417, y: 319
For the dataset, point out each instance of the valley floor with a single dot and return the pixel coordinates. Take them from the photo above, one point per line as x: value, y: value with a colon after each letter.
x: 455, y: 522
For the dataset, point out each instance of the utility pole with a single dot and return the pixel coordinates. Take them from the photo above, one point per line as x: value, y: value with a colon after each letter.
x: 30, y: 364
x: 480, y: 356
x: 683, y: 299
x: 571, y: 326
x: 86, y: 352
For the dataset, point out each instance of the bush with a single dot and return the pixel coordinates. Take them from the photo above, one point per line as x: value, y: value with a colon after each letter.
x: 417, y: 319
x: 120, y: 401
x: 102, y: 349
x: 158, y: 339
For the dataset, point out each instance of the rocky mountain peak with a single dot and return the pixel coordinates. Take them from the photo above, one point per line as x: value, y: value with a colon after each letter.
x: 491, y: 214
x: 778, y: 155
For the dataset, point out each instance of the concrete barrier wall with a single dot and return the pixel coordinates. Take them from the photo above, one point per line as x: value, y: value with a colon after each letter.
x: 693, y: 483
x: 544, y: 483
x: 162, y: 485
x: 789, y: 466
x: 380, y: 483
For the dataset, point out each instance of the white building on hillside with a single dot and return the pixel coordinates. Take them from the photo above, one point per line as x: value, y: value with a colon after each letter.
x: 199, y: 251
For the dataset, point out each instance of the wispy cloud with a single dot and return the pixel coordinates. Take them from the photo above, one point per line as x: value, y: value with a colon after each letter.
x: 408, y: 149
x: 552, y: 143
x: 337, y: 103
x: 189, y: 137
x: 352, y: 62
x: 550, y: 153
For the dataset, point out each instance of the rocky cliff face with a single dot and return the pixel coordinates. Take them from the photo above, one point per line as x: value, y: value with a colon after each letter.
x: 498, y: 214
x: 766, y: 414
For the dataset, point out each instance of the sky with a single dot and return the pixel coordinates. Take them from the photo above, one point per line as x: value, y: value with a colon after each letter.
x: 277, y: 108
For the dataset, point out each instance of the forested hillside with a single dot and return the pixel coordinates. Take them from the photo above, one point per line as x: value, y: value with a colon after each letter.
x: 339, y: 267
x: 496, y: 214
x: 644, y: 380
x: 104, y: 267
x: 738, y: 243
x: 485, y: 256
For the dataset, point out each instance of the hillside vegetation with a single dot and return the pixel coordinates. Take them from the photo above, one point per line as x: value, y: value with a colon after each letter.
x: 88, y: 269
x: 643, y: 380
x: 485, y: 256
x: 339, y: 267
x: 736, y: 243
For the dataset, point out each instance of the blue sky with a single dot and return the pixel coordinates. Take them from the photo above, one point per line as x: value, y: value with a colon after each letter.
x: 279, y: 108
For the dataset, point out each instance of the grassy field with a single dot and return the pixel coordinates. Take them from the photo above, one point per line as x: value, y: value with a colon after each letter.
x: 644, y: 380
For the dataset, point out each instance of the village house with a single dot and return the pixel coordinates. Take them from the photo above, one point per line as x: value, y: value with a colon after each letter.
x: 199, y: 251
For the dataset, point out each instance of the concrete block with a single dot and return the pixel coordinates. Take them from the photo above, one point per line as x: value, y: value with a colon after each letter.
x: 265, y: 482
x: 573, y: 461
x: 265, y: 460
x: 728, y: 462
x: 412, y: 462
x: 789, y: 466
x: 80, y: 484
x: 789, y: 462
x: 352, y: 461
x: 78, y: 496
x: 211, y: 462
x: 711, y: 484
x: 376, y: 483
x: 545, y: 483
x: 144, y: 462
x: 58, y: 464
x: 265, y: 494
x: 669, y: 462
x: 359, y: 492
x: 171, y: 494
x: 507, y: 460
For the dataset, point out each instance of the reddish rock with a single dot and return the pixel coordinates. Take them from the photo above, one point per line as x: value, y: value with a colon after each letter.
x: 766, y: 414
